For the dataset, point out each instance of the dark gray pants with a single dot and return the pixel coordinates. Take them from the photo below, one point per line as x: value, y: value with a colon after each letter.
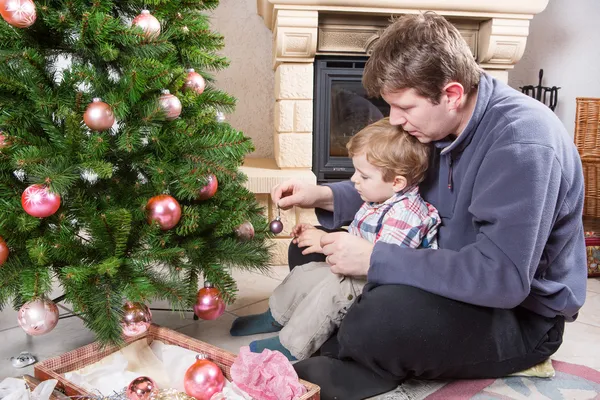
x: 394, y: 332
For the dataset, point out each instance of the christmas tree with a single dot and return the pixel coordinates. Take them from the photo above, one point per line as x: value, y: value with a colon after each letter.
x: 111, y: 151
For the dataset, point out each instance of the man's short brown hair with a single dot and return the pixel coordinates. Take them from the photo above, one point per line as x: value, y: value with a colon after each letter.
x: 423, y: 52
x: 393, y: 150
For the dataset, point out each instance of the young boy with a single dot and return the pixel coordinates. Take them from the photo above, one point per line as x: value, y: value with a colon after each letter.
x: 311, y: 302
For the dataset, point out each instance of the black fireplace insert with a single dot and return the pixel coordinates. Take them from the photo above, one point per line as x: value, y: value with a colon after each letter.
x: 342, y: 108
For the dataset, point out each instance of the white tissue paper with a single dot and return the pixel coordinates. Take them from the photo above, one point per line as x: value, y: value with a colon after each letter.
x: 16, y: 389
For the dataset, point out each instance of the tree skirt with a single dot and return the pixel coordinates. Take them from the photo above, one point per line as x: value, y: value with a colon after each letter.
x: 572, y: 382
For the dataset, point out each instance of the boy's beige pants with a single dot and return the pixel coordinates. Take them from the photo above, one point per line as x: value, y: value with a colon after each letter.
x: 310, y: 303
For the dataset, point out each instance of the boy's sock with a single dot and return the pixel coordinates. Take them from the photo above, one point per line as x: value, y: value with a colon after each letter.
x: 253, y: 324
x: 272, y: 343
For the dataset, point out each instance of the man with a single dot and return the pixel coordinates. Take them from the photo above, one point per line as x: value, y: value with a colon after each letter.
x: 511, y: 268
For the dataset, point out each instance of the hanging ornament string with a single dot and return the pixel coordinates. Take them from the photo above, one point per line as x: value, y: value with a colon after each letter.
x: 276, y: 226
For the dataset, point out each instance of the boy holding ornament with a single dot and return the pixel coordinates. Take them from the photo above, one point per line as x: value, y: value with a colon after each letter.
x: 312, y: 301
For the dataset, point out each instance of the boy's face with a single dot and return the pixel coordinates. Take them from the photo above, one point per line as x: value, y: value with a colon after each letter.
x: 369, y: 183
x: 418, y: 116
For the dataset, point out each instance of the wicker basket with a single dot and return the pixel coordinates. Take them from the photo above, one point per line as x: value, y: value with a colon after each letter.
x: 587, y: 140
x: 587, y: 128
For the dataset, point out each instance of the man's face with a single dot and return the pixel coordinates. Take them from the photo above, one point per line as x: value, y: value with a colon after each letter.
x: 418, y: 116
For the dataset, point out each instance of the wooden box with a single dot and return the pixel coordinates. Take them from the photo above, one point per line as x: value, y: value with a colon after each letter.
x: 54, y: 368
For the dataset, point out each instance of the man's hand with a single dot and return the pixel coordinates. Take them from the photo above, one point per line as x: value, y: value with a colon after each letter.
x: 298, y: 193
x: 308, y: 237
x: 347, y: 254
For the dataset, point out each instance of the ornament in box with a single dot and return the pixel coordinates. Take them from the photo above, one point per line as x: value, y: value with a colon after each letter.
x: 141, y: 388
x: 203, y: 379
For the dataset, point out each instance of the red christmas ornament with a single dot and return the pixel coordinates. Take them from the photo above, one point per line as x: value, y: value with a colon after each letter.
x: 18, y: 13
x: 245, y: 231
x: 170, y: 105
x: 209, y: 189
x: 4, y: 252
x: 209, y: 303
x: 98, y: 115
x: 194, y: 81
x: 38, y: 317
x: 165, y: 210
x: 203, y: 379
x: 136, y: 319
x: 141, y: 388
x: 148, y: 23
x: 39, y: 202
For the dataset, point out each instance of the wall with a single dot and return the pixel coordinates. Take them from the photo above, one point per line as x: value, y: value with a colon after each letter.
x: 564, y: 40
x: 250, y: 77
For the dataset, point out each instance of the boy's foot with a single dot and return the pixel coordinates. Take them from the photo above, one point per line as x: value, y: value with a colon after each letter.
x: 254, y: 324
x: 272, y: 344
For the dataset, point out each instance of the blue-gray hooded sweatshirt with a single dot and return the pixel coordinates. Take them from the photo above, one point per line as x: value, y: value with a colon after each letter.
x: 510, y: 193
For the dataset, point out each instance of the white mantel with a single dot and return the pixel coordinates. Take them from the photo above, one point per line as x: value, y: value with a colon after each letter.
x: 495, y: 30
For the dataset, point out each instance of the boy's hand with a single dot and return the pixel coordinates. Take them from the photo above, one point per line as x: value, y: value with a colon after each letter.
x: 298, y: 229
x: 310, y: 238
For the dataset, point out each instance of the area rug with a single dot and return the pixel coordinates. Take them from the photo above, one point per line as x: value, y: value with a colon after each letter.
x: 571, y: 382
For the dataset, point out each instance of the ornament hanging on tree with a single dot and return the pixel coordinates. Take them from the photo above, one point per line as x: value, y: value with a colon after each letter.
x: 38, y: 317
x: 170, y: 105
x: 209, y: 189
x: 209, y: 303
x: 4, y: 142
x: 245, y: 231
x: 165, y: 210
x: 98, y: 115
x: 4, y: 252
x: 148, y: 23
x: 136, y: 319
x: 194, y: 81
x: 220, y: 117
x: 203, y: 379
x: 276, y: 226
x: 141, y: 388
x: 18, y: 13
x: 39, y: 202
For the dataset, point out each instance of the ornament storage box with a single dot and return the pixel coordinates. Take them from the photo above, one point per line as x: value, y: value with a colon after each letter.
x: 54, y: 368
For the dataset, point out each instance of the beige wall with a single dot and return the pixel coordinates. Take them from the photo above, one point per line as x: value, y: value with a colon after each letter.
x: 250, y: 77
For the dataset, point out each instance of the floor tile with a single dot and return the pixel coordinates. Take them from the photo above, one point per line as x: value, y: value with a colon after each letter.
x: 580, y: 345
x: 217, y: 333
x: 252, y: 288
x: 593, y: 285
x: 590, y: 312
x: 69, y: 334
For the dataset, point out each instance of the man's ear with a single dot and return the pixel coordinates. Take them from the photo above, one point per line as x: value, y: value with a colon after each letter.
x: 399, y: 183
x: 454, y: 91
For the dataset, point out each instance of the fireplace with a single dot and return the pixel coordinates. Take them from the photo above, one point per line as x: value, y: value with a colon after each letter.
x: 341, y: 109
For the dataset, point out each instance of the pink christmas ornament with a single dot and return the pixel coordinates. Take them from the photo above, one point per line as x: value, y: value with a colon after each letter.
x: 165, y: 210
x: 98, y: 115
x: 18, y: 13
x: 170, y: 105
x: 136, y: 319
x: 209, y: 303
x: 141, y: 388
x: 39, y: 202
x: 203, y: 379
x: 209, y: 189
x: 38, y: 317
x: 148, y: 23
x: 194, y: 81
x: 245, y: 231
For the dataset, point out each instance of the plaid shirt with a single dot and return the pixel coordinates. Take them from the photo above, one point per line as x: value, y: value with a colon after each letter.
x: 404, y: 219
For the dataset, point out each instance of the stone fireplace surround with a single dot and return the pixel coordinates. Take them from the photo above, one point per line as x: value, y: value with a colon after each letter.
x: 496, y: 31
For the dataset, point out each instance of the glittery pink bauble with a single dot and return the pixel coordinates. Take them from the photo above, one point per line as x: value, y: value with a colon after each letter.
x: 98, y: 115
x: 203, y: 379
x: 170, y: 105
x: 18, y: 13
x: 165, y: 210
x: 245, y: 231
x: 39, y: 202
x: 141, y: 388
x: 209, y: 189
x: 148, y: 23
x: 194, y: 81
x: 38, y: 317
x: 136, y: 319
x: 209, y: 303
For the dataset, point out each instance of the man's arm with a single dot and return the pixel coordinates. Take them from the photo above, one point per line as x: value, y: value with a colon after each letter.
x: 346, y: 202
x: 514, y: 206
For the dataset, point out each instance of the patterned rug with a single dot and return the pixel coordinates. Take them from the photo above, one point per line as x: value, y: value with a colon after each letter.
x: 571, y: 382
